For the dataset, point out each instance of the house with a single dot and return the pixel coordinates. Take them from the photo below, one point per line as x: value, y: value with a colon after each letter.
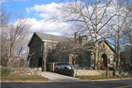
x: 77, y: 50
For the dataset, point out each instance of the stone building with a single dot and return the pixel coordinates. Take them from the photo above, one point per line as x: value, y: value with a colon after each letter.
x: 77, y: 50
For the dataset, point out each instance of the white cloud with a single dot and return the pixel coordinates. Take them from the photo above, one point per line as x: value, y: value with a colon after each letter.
x: 43, y: 8
x: 45, y: 11
x: 2, y: 1
x: 54, y: 33
x: 47, y: 26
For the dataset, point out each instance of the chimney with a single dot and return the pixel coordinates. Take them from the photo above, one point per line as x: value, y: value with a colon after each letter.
x: 75, y: 37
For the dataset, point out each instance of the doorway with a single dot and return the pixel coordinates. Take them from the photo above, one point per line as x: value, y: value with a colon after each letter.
x: 40, y: 62
x: 104, y: 56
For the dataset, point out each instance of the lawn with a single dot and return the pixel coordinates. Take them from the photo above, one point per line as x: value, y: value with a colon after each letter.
x: 102, y: 77
x: 24, y: 77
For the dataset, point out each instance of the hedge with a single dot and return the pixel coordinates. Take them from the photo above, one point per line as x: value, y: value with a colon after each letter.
x: 5, y: 71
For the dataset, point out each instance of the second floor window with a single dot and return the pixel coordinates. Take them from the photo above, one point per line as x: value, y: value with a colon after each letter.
x: 50, y: 48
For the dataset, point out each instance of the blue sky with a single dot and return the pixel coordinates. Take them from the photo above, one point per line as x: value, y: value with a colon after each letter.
x: 19, y: 6
x: 37, y: 11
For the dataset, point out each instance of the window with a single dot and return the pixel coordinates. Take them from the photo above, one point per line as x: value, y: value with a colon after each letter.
x: 103, y: 45
x: 50, y: 48
x: 111, y: 60
x: 41, y: 48
x: 60, y: 64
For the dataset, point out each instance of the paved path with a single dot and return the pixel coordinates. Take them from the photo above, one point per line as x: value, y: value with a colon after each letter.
x: 55, y: 77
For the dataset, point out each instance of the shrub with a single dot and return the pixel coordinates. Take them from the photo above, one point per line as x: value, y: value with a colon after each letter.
x: 5, y: 71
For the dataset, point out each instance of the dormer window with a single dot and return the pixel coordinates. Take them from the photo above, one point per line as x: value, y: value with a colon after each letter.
x: 82, y: 40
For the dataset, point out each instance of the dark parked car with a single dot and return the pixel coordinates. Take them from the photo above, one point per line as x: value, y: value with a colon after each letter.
x: 82, y: 67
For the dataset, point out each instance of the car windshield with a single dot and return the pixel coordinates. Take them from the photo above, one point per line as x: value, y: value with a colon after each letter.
x: 82, y: 66
x: 67, y: 64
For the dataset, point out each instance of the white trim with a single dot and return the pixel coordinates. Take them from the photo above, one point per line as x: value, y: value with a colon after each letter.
x: 49, y: 41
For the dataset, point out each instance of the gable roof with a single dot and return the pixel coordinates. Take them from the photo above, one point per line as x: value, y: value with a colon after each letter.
x: 63, y: 39
x: 91, y: 45
x: 107, y: 42
x: 50, y: 37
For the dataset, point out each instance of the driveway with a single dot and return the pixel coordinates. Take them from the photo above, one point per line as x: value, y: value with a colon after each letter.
x: 55, y: 77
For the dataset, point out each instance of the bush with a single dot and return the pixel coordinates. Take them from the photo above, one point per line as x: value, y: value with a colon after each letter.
x: 5, y: 71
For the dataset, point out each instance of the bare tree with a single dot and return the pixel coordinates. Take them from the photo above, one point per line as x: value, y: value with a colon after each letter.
x: 12, y: 34
x: 126, y: 55
x: 122, y: 22
x: 89, y: 17
x: 4, y: 19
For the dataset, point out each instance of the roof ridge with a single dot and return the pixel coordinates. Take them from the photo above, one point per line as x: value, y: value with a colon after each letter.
x: 52, y: 34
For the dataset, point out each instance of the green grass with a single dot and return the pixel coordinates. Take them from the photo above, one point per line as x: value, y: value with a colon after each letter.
x: 5, y: 70
x: 24, y: 77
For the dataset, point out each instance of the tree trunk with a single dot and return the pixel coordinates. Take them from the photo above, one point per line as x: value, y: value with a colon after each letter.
x: 96, y: 55
x: 131, y: 55
x: 118, y: 53
x: 9, y: 62
x: 45, y: 58
x: 45, y: 68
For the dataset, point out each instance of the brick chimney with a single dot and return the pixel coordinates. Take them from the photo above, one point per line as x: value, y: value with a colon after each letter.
x: 75, y: 37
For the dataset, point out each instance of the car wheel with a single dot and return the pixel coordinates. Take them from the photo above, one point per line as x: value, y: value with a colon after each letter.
x: 56, y: 70
x: 65, y: 68
x: 65, y: 71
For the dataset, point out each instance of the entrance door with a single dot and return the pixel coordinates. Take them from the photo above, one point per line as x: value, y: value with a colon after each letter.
x: 40, y: 62
x: 104, y: 56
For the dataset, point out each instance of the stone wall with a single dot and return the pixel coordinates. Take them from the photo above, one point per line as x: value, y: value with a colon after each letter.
x: 80, y: 72
x: 26, y: 71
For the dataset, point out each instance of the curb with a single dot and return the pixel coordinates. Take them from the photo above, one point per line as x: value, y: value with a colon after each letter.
x: 85, y: 80
x: 8, y: 81
x: 113, y: 79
